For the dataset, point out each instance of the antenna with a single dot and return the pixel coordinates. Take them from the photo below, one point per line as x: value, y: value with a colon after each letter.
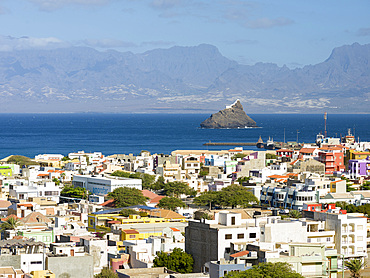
x: 325, y: 117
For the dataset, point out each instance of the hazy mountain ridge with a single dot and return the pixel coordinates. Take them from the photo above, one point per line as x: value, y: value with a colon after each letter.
x: 179, y: 79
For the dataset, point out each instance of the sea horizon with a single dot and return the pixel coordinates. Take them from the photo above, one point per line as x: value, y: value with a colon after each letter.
x: 31, y: 134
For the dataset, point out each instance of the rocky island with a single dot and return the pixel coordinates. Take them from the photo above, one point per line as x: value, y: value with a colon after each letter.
x: 232, y: 116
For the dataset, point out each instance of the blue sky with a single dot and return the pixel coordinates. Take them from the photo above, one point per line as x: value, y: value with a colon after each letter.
x: 291, y: 32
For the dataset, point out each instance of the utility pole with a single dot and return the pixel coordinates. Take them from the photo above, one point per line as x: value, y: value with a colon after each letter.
x: 325, y: 117
x: 297, y: 135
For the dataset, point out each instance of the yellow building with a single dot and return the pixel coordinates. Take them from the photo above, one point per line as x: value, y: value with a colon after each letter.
x: 42, y: 274
x: 338, y: 186
x: 100, y: 221
x: 132, y: 234
x: 358, y: 155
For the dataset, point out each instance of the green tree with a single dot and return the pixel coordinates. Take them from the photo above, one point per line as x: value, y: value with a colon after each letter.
x: 295, y: 214
x: 243, y: 179
x: 355, y: 266
x: 74, y: 192
x: 349, y: 187
x: 176, y: 188
x: 159, y: 184
x: 121, y: 174
x: 236, y: 195
x: 238, y: 155
x: 127, y: 212
x: 266, y: 270
x: 126, y: 196
x: 270, y: 156
x: 177, y: 260
x: 57, y: 182
x: 66, y: 158
x: 147, y: 180
x: 106, y: 273
x: 203, y: 173
x: 9, y: 224
x: 206, y: 216
x: 170, y: 203
x: 206, y: 199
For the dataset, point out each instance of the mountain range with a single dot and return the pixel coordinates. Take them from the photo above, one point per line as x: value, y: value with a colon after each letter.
x: 194, y: 79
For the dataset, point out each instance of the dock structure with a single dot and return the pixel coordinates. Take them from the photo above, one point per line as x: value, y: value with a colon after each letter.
x: 229, y: 144
x: 277, y: 145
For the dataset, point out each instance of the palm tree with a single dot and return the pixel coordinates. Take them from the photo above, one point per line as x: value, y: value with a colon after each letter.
x: 9, y: 224
x: 355, y: 267
x: 295, y: 214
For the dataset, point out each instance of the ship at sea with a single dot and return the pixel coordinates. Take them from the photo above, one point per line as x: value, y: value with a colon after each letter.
x: 260, y: 143
x: 270, y: 144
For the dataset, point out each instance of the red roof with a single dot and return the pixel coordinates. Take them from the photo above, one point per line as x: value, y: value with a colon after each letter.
x: 25, y: 205
x: 175, y: 230
x: 130, y: 231
x: 278, y: 176
x: 307, y: 150
x: 285, y: 150
x: 109, y: 203
x: 239, y: 254
x: 149, y: 194
x: 114, y: 222
x: 10, y: 216
x: 156, y: 199
x: 43, y: 175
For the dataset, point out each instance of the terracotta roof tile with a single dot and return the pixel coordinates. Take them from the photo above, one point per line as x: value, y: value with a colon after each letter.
x: 149, y: 194
x: 239, y: 254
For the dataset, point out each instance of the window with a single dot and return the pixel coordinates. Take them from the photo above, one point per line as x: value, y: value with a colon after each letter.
x: 252, y: 235
x: 132, y: 236
x: 360, y: 227
x: 240, y: 236
x: 91, y: 222
x: 328, y: 239
x: 228, y: 236
x: 360, y: 238
x: 36, y: 262
x: 233, y: 220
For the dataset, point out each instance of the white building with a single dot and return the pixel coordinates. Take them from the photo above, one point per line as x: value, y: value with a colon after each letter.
x: 350, y: 232
x: 102, y: 185
x: 55, y: 157
x: 24, y: 191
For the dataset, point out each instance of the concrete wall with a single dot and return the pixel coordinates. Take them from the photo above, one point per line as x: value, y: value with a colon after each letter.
x: 71, y: 267
x: 11, y: 260
x: 201, y: 242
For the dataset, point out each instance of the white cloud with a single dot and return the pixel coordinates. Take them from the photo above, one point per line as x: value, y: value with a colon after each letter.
x: 363, y: 32
x: 8, y: 43
x: 165, y: 4
x: 242, y: 41
x: 263, y: 23
x: 157, y: 43
x: 51, y: 5
x: 107, y: 43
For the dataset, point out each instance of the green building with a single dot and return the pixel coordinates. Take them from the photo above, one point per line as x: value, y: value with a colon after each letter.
x: 5, y: 171
x: 46, y: 236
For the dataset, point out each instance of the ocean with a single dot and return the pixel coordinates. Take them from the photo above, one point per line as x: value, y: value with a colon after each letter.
x: 32, y: 134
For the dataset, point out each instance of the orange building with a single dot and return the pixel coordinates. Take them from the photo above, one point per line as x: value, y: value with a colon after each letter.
x: 333, y: 158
